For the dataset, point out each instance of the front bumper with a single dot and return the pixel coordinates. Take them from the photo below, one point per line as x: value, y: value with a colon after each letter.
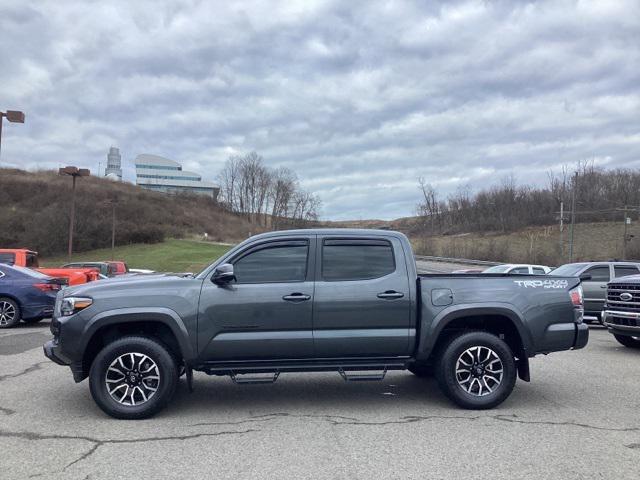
x: 52, y: 352
x: 622, y: 323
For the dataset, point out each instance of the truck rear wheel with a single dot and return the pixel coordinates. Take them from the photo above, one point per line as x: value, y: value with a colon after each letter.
x: 133, y: 377
x: 477, y: 370
x: 631, y: 342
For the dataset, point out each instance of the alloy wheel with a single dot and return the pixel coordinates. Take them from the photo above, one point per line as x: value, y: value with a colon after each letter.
x: 479, y: 371
x: 7, y: 313
x: 132, y: 379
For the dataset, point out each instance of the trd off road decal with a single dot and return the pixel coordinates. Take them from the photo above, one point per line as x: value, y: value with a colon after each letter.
x: 542, y: 283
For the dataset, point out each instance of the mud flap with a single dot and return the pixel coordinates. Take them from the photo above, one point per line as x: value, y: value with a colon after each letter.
x: 523, y: 369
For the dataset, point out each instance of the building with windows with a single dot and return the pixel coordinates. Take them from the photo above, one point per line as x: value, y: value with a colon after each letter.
x: 114, y: 164
x: 163, y: 175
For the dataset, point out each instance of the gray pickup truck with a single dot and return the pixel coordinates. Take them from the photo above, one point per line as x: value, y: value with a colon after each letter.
x: 339, y: 300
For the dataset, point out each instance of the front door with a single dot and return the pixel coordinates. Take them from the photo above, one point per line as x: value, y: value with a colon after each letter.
x: 362, y: 302
x: 266, y: 312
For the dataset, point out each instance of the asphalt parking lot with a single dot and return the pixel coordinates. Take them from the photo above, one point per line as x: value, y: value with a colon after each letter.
x: 578, y: 418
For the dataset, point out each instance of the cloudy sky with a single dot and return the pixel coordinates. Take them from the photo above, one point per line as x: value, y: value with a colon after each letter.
x: 359, y: 98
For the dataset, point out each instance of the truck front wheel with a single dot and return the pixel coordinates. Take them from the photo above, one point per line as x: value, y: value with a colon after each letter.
x: 477, y: 370
x: 133, y: 377
x: 631, y: 342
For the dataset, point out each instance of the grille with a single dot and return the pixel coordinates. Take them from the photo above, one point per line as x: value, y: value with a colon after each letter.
x: 623, y: 321
x: 614, y: 301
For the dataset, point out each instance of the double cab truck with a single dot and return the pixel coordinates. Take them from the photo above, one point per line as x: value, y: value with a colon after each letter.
x: 341, y: 300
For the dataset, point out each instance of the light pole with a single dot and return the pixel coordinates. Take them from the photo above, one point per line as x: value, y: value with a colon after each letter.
x: 14, y: 116
x: 73, y: 172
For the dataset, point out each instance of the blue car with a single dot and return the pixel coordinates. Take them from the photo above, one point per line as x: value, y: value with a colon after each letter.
x: 26, y: 295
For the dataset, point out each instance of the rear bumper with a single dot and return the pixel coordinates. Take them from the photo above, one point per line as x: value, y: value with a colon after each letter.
x: 565, y: 336
x: 37, y: 311
x: 582, y: 336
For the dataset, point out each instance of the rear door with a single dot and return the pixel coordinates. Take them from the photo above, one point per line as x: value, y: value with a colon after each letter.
x: 362, y: 304
x: 266, y: 313
x: 595, y: 288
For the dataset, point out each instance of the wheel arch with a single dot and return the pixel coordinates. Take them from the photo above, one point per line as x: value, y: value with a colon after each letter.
x: 162, y: 324
x: 500, y: 320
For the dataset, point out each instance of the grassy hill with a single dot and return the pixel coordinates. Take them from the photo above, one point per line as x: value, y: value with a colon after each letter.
x: 34, y: 213
x: 173, y: 255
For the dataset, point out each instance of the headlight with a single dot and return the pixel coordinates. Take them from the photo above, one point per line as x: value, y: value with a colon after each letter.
x: 71, y: 305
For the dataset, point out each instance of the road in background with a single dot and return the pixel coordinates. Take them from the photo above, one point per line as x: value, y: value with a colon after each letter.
x: 577, y: 419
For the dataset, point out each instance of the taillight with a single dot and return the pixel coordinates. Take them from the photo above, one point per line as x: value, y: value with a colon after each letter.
x: 47, y: 287
x: 576, y: 297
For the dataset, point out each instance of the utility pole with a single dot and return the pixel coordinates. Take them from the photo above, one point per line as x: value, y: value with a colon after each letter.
x: 573, y: 216
x: 561, y: 229
x: 14, y: 116
x: 73, y: 172
x: 626, y: 237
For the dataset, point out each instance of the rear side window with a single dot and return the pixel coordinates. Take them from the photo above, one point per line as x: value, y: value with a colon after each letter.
x: 356, y: 259
x: 624, y: 270
x: 271, y: 264
x: 520, y: 270
x: 8, y: 258
x: 538, y: 270
x: 598, y: 274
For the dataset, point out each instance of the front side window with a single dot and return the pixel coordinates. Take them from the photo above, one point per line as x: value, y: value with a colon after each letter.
x: 356, y: 260
x: 520, y: 270
x: 278, y: 263
x: 598, y: 274
x: 8, y: 258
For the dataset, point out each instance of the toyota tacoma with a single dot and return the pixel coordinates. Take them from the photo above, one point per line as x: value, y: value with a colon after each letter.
x: 348, y: 301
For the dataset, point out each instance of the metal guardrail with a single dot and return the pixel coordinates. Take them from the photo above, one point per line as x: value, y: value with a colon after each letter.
x: 462, y: 261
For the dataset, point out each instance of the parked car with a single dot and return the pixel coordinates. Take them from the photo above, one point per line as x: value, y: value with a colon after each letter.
x: 621, y: 313
x: 523, y: 269
x: 141, y: 271
x: 468, y: 270
x: 595, y: 276
x: 104, y: 268
x: 23, y: 257
x: 26, y: 295
x: 339, y: 300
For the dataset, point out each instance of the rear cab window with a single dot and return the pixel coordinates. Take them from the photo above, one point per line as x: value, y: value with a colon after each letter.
x: 356, y: 259
x: 8, y: 258
x: 32, y: 260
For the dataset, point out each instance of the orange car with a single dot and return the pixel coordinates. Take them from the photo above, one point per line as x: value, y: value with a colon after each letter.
x: 23, y: 257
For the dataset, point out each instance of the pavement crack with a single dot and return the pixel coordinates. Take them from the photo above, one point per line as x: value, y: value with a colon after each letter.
x: 515, y: 419
x: 97, y: 443
x: 7, y: 411
x: 32, y: 368
x: 633, y: 446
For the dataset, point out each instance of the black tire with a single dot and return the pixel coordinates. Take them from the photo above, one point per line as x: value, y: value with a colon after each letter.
x: 32, y: 320
x: 10, y: 313
x: 422, y: 371
x: 472, y: 394
x: 138, y: 347
x: 631, y: 342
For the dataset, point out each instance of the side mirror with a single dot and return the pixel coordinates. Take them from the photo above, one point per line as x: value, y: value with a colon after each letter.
x: 223, y: 274
x: 585, y: 277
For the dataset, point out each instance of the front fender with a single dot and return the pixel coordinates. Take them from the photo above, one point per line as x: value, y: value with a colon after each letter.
x: 430, y: 331
x: 162, y: 315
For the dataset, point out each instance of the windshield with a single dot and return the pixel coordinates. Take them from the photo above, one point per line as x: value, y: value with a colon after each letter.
x: 568, y: 270
x: 497, y: 269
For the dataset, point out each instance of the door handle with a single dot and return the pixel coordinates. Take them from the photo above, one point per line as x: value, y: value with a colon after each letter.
x: 296, y: 297
x: 391, y: 294
x: 603, y: 286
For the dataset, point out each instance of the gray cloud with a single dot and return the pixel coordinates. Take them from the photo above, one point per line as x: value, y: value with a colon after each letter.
x: 359, y: 99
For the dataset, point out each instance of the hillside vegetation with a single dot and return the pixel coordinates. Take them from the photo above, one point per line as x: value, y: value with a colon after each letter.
x: 172, y: 255
x: 35, y: 206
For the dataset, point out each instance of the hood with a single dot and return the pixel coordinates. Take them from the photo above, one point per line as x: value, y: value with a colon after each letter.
x: 633, y: 279
x: 128, y: 282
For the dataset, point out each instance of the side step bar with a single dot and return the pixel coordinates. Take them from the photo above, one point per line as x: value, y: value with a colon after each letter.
x: 362, y: 377
x: 248, y: 379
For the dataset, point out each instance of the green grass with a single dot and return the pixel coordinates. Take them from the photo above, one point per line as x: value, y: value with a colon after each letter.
x: 169, y: 256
